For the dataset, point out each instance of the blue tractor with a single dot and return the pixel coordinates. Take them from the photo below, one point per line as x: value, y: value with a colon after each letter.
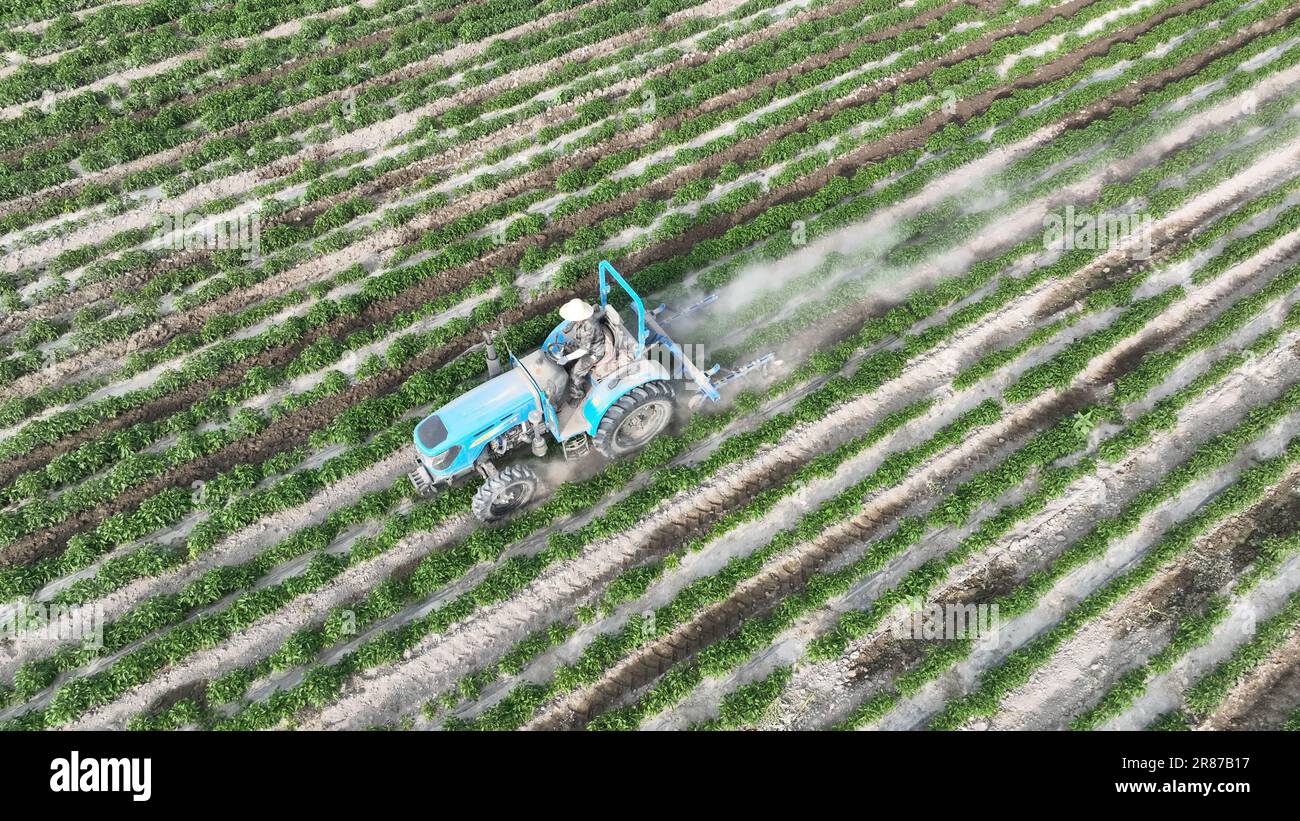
x: 621, y: 403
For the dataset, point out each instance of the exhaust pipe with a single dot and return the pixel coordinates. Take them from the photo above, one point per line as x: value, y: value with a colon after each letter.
x: 539, y: 441
x: 493, y: 362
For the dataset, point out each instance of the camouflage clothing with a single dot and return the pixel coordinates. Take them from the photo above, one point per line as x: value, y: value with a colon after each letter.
x: 588, y: 334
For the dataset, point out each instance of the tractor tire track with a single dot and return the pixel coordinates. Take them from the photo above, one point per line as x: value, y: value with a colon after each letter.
x: 1265, y: 697
x: 1143, y: 624
x: 875, y: 659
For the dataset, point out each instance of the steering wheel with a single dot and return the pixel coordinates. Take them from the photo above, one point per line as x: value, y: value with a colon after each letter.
x: 556, y: 351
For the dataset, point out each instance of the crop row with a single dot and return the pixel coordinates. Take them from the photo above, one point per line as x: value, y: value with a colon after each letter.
x: 924, y: 579
x: 884, y: 353
x: 1191, y: 632
x: 859, y: 622
x: 1248, y: 489
x: 442, y: 266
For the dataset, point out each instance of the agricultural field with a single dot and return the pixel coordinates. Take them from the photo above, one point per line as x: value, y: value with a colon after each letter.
x: 1019, y: 281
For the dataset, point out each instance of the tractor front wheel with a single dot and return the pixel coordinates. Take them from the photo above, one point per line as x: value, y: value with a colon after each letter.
x: 504, y: 493
x: 637, y: 417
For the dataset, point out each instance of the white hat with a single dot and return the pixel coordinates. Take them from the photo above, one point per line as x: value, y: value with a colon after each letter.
x: 576, y: 310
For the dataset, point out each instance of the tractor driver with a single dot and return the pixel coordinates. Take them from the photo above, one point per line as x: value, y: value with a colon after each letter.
x: 584, y: 343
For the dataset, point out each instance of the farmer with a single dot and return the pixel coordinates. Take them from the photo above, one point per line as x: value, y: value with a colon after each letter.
x: 584, y: 343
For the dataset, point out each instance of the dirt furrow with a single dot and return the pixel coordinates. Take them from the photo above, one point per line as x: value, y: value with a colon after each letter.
x: 1165, y: 692
x: 823, y: 684
x: 1266, y: 696
x: 466, y: 96
x: 268, y: 634
x: 509, y: 254
x: 872, y: 663
x: 375, y: 245
x: 1142, y: 625
x: 561, y: 588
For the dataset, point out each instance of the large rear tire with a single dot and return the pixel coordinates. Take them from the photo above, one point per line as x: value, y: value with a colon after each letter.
x: 635, y: 419
x: 504, y: 493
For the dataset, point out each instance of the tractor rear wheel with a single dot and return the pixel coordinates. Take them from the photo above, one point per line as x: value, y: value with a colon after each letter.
x: 637, y: 417
x: 504, y: 493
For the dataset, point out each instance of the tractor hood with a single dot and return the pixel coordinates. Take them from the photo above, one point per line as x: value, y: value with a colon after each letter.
x: 477, y: 414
